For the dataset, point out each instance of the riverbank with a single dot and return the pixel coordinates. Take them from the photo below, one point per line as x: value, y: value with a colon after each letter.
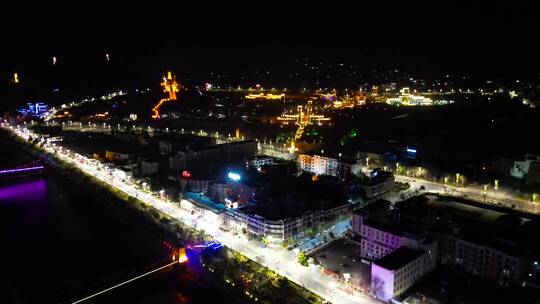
x: 77, y: 238
x: 175, y: 229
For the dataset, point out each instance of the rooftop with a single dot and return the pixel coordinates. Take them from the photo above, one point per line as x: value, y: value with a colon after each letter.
x: 204, y: 201
x: 399, y: 258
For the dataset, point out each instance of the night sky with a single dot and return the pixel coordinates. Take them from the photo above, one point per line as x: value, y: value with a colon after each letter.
x: 487, y: 39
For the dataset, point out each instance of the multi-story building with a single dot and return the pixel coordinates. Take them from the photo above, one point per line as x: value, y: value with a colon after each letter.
x: 379, y: 238
x: 502, y: 266
x: 117, y: 156
x: 149, y: 166
x: 170, y: 144
x: 322, y: 165
x: 242, y: 192
x: 206, y: 214
x: 398, y: 271
x: 218, y: 191
x: 399, y: 257
x: 527, y: 169
x: 468, y: 238
x: 379, y: 182
x: 235, y: 152
x: 277, y: 226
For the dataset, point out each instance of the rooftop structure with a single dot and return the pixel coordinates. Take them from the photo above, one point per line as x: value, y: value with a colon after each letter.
x: 398, y: 258
x: 398, y: 271
x: 377, y: 183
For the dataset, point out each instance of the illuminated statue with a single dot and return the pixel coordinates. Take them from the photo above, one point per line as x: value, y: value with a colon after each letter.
x: 171, y: 87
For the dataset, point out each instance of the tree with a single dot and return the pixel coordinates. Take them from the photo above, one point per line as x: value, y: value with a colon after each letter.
x: 303, y: 259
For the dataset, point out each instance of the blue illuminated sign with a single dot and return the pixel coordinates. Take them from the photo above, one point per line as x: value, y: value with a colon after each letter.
x: 234, y: 176
x: 38, y: 109
x: 411, y: 150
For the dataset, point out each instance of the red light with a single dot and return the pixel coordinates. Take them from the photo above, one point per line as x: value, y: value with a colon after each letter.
x: 186, y: 174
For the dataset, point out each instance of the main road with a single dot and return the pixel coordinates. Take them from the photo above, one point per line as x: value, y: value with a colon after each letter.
x: 490, y: 196
x: 279, y: 260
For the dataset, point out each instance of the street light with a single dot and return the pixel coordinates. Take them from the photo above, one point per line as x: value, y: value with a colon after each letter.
x: 332, y: 286
x: 457, y: 178
x: 496, y: 184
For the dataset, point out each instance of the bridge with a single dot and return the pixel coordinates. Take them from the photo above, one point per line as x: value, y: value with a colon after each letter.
x: 25, y: 169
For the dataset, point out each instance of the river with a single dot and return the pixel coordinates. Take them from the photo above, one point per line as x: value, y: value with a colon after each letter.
x: 60, y: 242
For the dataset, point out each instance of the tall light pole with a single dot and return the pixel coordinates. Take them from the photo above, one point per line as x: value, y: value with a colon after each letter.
x: 457, y: 178
x: 496, y: 184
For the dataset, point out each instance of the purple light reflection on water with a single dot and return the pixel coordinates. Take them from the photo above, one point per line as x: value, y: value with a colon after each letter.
x: 26, y: 192
x: 25, y: 202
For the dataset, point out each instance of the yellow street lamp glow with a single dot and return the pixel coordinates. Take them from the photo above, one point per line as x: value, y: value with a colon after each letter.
x: 457, y: 178
x: 496, y: 186
x: 15, y: 77
x: 534, y: 197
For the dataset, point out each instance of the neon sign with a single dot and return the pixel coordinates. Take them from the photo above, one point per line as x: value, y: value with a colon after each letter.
x: 234, y: 176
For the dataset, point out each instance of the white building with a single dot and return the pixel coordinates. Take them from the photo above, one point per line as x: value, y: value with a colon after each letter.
x: 406, y: 99
x: 205, y: 213
x: 322, y: 165
x: 378, y: 183
x: 396, y: 272
x: 122, y: 173
x: 317, y: 164
x: 520, y: 169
